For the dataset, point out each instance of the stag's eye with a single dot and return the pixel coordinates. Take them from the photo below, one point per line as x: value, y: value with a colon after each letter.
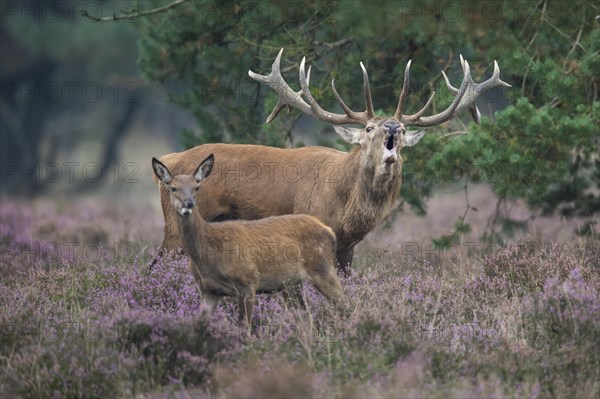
x: 197, y: 188
x: 369, y: 129
x: 173, y: 189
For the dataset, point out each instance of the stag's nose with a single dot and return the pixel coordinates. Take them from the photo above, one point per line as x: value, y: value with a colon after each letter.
x: 391, y: 127
x: 189, y: 203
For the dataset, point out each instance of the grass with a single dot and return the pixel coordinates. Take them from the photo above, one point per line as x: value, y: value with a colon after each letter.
x: 520, y: 320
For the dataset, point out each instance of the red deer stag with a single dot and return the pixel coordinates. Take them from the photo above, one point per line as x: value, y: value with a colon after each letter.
x: 350, y: 192
x: 240, y: 258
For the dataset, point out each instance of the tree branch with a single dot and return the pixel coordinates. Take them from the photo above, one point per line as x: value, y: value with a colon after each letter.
x: 138, y: 14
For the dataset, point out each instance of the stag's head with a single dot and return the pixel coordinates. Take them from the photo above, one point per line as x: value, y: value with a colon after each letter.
x: 183, y: 187
x: 381, y: 137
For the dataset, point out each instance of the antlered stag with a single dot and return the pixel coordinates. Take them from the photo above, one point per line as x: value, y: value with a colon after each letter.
x: 350, y: 192
x: 240, y: 258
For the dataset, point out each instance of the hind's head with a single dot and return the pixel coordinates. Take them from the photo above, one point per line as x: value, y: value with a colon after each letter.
x: 183, y: 187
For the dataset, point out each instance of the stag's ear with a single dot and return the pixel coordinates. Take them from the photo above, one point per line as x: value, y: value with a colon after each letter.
x: 204, y: 168
x: 351, y: 135
x: 412, y: 137
x: 161, y: 171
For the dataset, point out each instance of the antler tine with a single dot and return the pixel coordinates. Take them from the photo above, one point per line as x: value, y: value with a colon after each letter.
x: 346, y: 109
x: 465, y: 97
x: 370, y: 112
x: 467, y: 81
x: 304, y: 86
x: 292, y: 99
x: 304, y: 80
x: 496, y: 76
x: 287, y: 96
x: 446, y: 114
x: 475, y: 114
x: 317, y: 111
x: 448, y: 84
x: 427, y: 104
x: 402, y: 100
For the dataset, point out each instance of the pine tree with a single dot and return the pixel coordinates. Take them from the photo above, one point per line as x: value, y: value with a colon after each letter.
x: 541, y: 144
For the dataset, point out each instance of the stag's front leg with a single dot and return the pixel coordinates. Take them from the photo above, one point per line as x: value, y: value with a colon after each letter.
x: 344, y: 261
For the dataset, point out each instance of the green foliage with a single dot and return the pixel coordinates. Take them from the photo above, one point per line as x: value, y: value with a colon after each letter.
x: 445, y: 241
x: 541, y: 145
x: 69, y: 41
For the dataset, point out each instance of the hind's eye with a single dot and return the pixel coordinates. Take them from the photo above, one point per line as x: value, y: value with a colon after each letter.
x: 369, y: 129
x: 173, y: 189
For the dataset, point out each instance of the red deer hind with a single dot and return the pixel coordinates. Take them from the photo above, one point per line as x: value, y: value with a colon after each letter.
x: 350, y: 192
x: 241, y: 258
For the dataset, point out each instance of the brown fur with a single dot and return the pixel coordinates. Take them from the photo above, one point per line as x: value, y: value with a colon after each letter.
x: 351, y: 192
x: 241, y: 258
x: 365, y: 182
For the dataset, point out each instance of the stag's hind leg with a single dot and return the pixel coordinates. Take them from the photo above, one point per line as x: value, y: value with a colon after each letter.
x: 246, y: 301
x: 295, y: 295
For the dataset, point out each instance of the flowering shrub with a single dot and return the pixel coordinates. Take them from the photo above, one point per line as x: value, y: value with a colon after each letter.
x: 526, y: 265
x: 167, y: 287
x: 565, y: 312
x: 523, y: 322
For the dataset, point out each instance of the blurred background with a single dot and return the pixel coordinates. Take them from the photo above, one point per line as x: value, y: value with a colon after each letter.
x: 77, y: 117
x: 91, y: 90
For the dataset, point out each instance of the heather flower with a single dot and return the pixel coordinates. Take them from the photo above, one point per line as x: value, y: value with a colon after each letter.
x: 111, y: 326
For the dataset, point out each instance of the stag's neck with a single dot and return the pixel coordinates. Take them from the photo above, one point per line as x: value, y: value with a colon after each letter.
x: 367, y: 194
x: 368, y: 181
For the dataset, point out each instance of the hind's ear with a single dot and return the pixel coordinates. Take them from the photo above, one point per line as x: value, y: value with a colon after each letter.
x: 204, y: 168
x: 161, y: 171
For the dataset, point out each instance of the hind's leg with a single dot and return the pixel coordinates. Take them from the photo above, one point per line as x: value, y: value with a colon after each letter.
x: 327, y: 282
x: 210, y: 300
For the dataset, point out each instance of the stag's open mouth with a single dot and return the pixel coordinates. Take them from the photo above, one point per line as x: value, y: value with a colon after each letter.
x: 390, y: 143
x: 389, y: 148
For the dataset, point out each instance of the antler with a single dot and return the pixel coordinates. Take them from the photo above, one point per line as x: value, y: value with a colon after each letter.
x: 465, y: 97
x: 290, y: 98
